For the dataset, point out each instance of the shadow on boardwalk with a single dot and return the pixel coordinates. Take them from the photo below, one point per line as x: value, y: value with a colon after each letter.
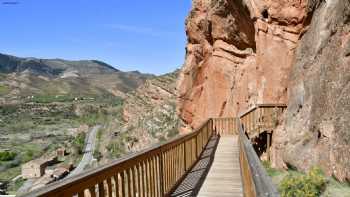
x: 192, y: 183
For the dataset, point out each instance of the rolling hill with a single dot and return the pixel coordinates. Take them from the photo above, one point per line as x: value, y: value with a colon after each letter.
x: 24, y: 77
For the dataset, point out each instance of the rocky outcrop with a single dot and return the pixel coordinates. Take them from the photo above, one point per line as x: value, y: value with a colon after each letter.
x: 239, y: 53
x: 316, y: 124
x: 145, y: 118
x: 245, y: 52
x: 150, y: 112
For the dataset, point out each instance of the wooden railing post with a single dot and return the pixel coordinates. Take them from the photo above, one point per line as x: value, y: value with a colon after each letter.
x: 185, y: 156
x: 268, y: 145
x: 196, y: 142
x: 161, y: 173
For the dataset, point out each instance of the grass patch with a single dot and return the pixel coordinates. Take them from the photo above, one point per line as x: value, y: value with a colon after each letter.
x: 10, y: 173
x: 335, y: 188
x: 272, y: 172
x: 93, y: 119
x: 30, y: 151
x: 15, y: 185
x: 52, y: 98
x: 4, y: 89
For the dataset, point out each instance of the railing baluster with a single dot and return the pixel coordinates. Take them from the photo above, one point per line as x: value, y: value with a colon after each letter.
x: 152, y: 176
x: 139, y: 182
x: 123, y: 185
x: 178, y: 162
x: 109, y: 186
x: 157, y: 177
x: 92, y: 191
x: 81, y: 194
x: 148, y: 175
x: 166, y: 162
x: 184, y: 154
x: 101, y: 189
x: 143, y: 178
x: 133, y: 172
x: 116, y: 184
x: 196, y: 141
x: 171, y: 167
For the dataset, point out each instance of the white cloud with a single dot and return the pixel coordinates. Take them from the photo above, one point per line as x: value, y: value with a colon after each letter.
x: 138, y: 30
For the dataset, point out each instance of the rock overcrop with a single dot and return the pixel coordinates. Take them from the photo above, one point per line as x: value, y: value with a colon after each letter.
x: 247, y: 52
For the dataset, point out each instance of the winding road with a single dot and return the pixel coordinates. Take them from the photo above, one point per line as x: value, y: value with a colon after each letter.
x: 90, y: 144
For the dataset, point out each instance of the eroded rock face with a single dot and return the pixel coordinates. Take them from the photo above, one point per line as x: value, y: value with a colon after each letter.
x: 316, y: 124
x: 245, y: 52
x: 239, y: 53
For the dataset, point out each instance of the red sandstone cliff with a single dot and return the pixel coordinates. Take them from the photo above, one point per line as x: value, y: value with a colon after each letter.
x: 245, y: 52
x: 239, y: 53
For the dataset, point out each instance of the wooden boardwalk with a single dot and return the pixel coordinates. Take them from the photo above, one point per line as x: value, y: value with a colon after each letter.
x: 224, y: 177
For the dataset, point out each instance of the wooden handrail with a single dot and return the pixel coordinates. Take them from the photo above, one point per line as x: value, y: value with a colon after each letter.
x: 151, y: 172
x: 270, y: 105
x: 261, y: 117
x: 225, y: 126
x: 256, y: 182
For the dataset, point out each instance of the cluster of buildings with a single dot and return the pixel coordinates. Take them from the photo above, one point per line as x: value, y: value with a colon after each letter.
x: 44, y: 170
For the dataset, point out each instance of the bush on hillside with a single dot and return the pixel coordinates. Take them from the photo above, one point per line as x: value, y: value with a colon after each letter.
x: 309, y: 185
x: 7, y: 156
x: 79, y: 142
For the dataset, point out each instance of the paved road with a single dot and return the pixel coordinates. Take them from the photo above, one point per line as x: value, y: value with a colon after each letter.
x: 90, y: 144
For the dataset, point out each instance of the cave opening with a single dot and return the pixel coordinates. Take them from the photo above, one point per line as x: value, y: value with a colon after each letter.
x: 265, y: 14
x: 262, y: 144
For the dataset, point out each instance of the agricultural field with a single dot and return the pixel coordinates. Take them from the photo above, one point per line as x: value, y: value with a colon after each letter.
x: 37, y: 128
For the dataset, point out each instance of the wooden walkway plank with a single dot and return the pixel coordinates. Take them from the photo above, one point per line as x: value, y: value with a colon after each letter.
x: 224, y: 177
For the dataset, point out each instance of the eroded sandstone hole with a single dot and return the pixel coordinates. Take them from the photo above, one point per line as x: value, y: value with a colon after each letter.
x: 261, y: 144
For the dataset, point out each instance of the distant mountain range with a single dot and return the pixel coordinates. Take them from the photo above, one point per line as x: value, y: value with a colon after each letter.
x: 20, y: 77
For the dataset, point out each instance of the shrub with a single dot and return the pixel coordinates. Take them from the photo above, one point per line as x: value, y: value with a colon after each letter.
x: 8, y: 109
x: 309, y: 185
x: 7, y: 156
x: 79, y: 142
x: 116, y: 149
x: 97, y: 155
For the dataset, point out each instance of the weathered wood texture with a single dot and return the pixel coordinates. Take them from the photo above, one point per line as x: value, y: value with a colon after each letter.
x: 224, y: 177
x: 191, y: 184
x: 260, y: 118
x: 225, y: 126
x: 255, y: 180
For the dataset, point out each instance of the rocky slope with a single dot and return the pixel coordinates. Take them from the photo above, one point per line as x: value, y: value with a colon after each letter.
x: 245, y: 52
x: 151, y: 110
x: 148, y: 117
x: 21, y: 77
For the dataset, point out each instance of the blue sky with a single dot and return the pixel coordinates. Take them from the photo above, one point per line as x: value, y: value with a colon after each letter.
x: 144, y: 35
